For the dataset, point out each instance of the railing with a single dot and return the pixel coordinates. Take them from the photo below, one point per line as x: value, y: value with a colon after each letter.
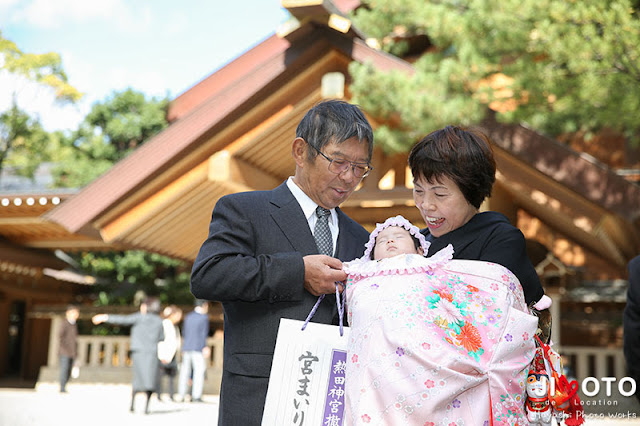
x: 586, y: 361
x: 113, y: 352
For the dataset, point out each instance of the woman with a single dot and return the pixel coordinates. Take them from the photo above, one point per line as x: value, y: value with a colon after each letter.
x: 146, y: 332
x: 454, y: 171
x: 168, y: 348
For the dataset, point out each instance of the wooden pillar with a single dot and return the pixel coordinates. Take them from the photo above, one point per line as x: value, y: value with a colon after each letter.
x: 502, y: 202
x: 54, y: 341
x: 94, y: 355
x: 555, y: 317
x: 26, y: 339
x: 83, y: 352
x: 4, y: 335
x: 109, y: 351
x: 400, y: 167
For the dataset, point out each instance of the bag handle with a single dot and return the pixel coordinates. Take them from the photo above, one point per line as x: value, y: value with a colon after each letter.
x: 338, y: 302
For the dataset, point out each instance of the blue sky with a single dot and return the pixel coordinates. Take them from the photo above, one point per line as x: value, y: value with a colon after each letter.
x: 158, y: 47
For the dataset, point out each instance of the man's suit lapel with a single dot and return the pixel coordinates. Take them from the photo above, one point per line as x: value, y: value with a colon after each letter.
x: 289, y: 216
x: 348, y: 245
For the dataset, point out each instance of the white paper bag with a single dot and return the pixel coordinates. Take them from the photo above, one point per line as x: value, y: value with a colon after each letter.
x: 306, y: 386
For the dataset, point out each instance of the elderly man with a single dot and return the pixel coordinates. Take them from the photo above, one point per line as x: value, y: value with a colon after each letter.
x: 269, y: 254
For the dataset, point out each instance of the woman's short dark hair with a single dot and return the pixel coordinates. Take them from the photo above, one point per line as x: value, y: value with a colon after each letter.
x: 464, y: 155
x: 336, y: 121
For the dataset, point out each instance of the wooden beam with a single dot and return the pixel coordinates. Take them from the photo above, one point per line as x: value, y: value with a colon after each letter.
x: 72, y: 244
x: 252, y: 135
x: 515, y: 170
x: 43, y: 291
x: 369, y: 216
x: 225, y: 168
x: 624, y: 235
x: 141, y: 213
x: 397, y: 196
x: 564, y: 224
x: 12, y: 221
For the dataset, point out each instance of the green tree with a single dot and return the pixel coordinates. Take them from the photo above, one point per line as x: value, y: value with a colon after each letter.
x: 23, y: 142
x: 22, y: 139
x: 45, y: 69
x: 127, y: 273
x: 563, y: 65
x: 112, y: 129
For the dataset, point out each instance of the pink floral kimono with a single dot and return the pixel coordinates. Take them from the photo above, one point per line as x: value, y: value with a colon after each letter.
x: 436, y: 341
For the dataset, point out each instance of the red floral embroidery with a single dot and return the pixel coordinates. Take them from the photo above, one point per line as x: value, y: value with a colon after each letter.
x: 444, y: 295
x: 469, y: 338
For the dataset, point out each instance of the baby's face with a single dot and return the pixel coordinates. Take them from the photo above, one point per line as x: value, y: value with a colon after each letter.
x: 393, y: 241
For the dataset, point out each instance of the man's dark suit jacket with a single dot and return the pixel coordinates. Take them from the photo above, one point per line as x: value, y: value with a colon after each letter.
x: 631, y: 323
x: 252, y: 263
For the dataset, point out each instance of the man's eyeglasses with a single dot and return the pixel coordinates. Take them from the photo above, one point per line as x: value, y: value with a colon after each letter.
x: 360, y: 170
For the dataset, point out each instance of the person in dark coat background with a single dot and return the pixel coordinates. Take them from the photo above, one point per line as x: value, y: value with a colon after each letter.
x: 146, y: 332
x: 68, y: 350
x: 195, y: 351
x: 631, y: 323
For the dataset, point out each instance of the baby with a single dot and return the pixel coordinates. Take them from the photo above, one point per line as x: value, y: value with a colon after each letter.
x: 426, y: 332
x: 396, y: 236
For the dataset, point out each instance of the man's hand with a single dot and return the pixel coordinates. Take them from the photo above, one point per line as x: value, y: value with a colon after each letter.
x: 321, y: 273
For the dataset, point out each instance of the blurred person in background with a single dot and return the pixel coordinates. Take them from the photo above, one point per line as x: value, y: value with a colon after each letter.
x: 68, y: 349
x: 146, y: 332
x: 168, y: 348
x: 195, y: 330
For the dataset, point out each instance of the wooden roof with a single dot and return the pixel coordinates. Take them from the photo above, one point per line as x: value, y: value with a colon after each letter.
x: 27, y: 240
x: 224, y: 138
x: 232, y: 132
x: 22, y: 222
x: 570, y: 192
